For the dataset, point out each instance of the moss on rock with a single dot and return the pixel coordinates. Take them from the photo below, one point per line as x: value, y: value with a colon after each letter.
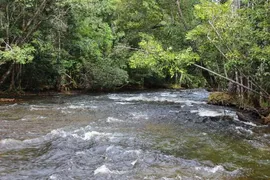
x: 222, y: 98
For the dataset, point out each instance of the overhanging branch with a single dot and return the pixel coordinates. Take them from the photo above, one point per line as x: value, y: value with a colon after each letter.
x: 231, y: 80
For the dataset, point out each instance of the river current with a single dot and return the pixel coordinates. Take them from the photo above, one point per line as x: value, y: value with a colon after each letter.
x: 162, y: 135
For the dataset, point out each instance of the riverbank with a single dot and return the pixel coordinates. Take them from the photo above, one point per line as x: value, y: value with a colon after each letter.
x: 16, y: 97
x: 6, y: 96
x: 247, y: 111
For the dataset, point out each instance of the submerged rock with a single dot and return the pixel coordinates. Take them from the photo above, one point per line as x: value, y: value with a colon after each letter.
x: 218, y: 118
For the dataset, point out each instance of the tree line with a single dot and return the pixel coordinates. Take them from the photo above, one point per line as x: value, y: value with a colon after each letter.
x: 108, y: 44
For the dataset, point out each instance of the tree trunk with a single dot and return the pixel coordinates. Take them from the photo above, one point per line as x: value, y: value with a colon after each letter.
x: 236, y: 4
x: 211, y: 80
x: 4, y: 77
x: 12, y: 82
x: 180, y: 13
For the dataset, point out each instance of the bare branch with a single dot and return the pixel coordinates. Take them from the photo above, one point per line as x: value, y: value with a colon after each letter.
x: 180, y: 13
x: 7, y: 45
x: 239, y: 84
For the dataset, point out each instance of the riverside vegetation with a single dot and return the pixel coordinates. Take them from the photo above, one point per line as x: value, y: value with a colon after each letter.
x: 111, y: 44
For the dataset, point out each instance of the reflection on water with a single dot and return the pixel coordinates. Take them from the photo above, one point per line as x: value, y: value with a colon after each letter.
x: 149, y: 135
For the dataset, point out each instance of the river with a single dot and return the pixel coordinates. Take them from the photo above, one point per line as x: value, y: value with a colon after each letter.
x: 164, y: 135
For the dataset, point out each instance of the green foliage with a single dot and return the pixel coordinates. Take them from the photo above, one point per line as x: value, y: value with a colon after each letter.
x: 21, y: 55
x: 155, y: 58
x: 238, y: 38
x: 101, y: 44
x: 93, y: 40
x: 105, y: 76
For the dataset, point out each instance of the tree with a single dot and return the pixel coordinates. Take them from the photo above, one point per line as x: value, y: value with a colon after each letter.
x: 20, y: 20
x: 236, y: 55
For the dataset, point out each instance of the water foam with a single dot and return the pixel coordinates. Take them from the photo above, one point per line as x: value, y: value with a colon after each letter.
x: 10, y: 143
x: 134, y: 162
x: 213, y: 170
x: 53, y: 177
x: 81, y: 106
x: 241, y: 129
x: 37, y: 108
x: 139, y: 115
x: 160, y: 98
x: 211, y: 113
x: 90, y: 135
x: 248, y: 123
x: 102, y: 170
x: 112, y: 119
x: 105, y: 170
x: 124, y: 103
x: 59, y: 132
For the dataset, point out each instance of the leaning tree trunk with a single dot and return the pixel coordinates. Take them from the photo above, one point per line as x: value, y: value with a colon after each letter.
x: 211, y: 80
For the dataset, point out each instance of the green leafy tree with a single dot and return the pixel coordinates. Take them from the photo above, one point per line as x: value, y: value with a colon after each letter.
x: 162, y: 62
x: 235, y: 41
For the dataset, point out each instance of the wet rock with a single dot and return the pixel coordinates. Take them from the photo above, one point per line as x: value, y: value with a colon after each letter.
x: 217, y: 118
x: 266, y: 120
x: 7, y: 100
x: 245, y: 116
x: 222, y: 98
x: 264, y: 111
x: 249, y: 116
x: 257, y: 116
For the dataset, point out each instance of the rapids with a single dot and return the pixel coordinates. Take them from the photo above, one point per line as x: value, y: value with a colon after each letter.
x: 162, y: 135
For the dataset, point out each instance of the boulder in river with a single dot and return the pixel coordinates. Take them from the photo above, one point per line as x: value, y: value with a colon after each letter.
x: 222, y: 98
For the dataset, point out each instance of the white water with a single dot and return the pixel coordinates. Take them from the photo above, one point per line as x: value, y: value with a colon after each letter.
x: 156, y: 135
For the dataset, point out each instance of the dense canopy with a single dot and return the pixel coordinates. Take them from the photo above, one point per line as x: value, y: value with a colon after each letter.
x: 110, y: 44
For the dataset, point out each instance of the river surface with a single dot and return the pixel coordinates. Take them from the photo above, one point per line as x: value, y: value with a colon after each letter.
x: 162, y: 135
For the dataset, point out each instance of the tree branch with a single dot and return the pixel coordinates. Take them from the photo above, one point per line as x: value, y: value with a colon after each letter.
x: 180, y: 13
x: 239, y: 84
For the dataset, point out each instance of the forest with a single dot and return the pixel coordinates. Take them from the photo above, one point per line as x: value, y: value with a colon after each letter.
x: 112, y: 44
